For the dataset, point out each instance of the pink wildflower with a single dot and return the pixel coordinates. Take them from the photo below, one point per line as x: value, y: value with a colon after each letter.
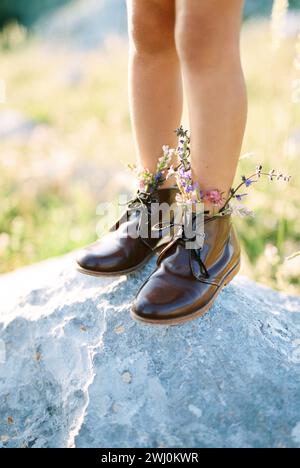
x: 214, y: 197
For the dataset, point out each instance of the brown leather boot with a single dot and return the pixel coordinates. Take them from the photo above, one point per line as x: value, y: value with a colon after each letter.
x: 118, y: 252
x: 187, y: 282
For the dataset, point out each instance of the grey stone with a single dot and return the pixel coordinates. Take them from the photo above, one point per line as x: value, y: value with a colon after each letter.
x: 75, y: 370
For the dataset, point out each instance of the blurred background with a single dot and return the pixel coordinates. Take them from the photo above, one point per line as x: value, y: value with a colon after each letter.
x: 64, y: 128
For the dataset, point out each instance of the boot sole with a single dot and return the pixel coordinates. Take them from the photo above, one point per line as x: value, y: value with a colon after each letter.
x: 199, y: 313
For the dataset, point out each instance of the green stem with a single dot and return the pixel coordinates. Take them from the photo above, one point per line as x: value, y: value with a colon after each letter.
x: 234, y: 192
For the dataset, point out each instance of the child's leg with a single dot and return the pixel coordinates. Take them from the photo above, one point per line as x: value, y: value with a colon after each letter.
x: 207, y: 37
x: 155, y: 86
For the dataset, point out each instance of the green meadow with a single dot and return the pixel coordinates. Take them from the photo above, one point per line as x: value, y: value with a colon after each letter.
x: 75, y: 133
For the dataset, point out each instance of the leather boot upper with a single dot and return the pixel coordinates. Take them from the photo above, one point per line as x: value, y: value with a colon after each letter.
x: 186, y: 280
x: 119, y: 251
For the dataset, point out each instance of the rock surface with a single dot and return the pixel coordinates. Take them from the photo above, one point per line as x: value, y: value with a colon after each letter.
x: 75, y: 370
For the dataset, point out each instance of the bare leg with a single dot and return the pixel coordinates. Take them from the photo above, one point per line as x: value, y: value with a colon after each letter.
x: 207, y: 37
x: 155, y: 84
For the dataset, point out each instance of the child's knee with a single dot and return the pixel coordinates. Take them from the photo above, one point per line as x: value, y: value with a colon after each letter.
x: 151, y: 28
x: 206, y: 37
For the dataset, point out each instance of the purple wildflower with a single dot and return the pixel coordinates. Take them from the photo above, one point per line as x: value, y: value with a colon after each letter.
x: 247, y: 182
x: 158, y: 176
x: 240, y: 197
x: 181, y: 171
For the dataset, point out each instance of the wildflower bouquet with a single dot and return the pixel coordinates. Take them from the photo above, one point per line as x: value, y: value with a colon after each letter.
x: 190, y: 193
x: 149, y: 182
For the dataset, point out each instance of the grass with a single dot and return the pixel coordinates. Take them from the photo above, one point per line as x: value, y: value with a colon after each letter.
x: 52, y: 178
